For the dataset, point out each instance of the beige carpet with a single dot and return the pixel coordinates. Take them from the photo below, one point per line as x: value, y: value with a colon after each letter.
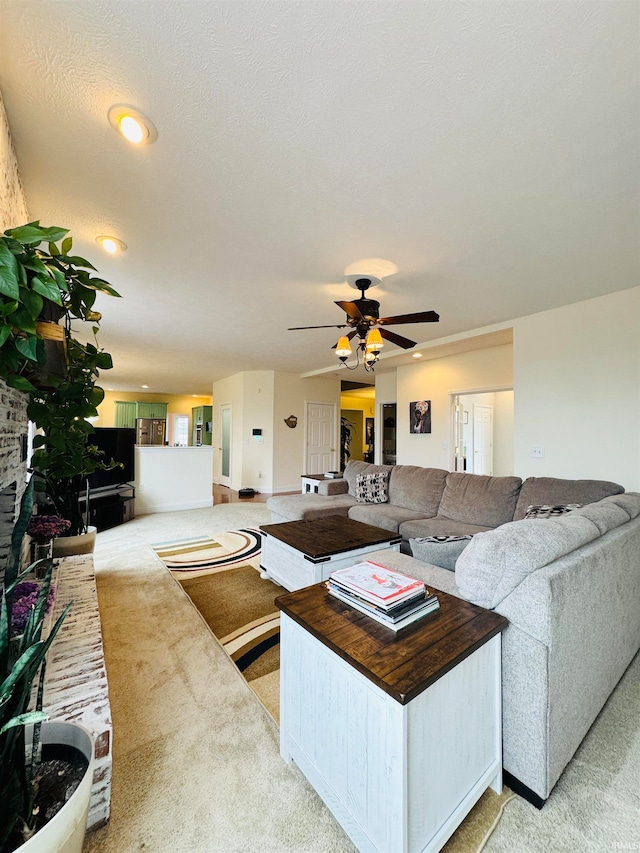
x: 196, y: 759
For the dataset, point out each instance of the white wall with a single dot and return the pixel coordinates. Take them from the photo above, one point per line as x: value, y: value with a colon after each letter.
x: 577, y: 390
x: 172, y: 478
x: 262, y: 400
x: 291, y: 396
x: 434, y: 380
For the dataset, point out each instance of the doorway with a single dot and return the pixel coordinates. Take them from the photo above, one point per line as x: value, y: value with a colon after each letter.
x: 225, y: 436
x: 483, y: 431
x: 388, y: 448
x: 320, y: 455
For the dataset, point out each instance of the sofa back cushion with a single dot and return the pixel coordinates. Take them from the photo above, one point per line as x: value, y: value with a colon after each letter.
x: 354, y: 467
x: 419, y: 489
x: 551, y: 490
x: 494, y: 563
x: 481, y: 500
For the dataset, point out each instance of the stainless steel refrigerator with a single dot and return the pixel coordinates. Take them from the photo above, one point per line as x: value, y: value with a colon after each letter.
x: 150, y: 431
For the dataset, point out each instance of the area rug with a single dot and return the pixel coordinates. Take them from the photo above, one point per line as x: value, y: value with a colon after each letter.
x: 222, y: 579
x: 203, y: 555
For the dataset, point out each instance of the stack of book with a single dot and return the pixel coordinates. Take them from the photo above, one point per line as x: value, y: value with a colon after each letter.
x: 394, y: 599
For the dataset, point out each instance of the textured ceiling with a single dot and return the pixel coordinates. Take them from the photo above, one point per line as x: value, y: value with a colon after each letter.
x: 489, y: 150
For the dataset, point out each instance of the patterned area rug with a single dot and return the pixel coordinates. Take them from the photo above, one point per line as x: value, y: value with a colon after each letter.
x: 221, y: 576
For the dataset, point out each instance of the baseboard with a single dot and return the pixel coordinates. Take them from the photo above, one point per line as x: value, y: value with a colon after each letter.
x: 521, y: 790
x: 153, y: 508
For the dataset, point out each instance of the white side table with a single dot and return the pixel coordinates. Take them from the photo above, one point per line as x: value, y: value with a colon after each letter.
x: 399, y: 734
x: 310, y: 483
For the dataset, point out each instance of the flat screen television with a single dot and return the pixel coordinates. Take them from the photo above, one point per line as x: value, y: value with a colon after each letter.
x: 118, y: 443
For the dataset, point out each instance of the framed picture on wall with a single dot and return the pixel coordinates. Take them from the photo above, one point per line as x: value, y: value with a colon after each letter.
x: 420, y: 417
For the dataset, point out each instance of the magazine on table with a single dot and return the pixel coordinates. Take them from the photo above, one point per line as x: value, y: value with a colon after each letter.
x: 377, y: 583
x: 397, y: 609
x: 411, y: 615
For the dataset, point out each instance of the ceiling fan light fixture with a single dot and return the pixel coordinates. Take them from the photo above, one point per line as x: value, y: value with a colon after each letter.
x: 343, y: 348
x: 132, y: 124
x: 374, y: 339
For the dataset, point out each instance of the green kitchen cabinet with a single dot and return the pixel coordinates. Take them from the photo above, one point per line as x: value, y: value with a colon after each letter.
x: 126, y: 414
x: 152, y: 410
x: 201, y: 425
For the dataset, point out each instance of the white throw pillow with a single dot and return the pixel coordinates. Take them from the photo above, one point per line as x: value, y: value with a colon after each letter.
x: 372, y: 488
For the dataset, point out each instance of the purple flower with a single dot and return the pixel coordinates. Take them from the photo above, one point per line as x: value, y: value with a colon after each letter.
x: 43, y: 528
x: 24, y: 600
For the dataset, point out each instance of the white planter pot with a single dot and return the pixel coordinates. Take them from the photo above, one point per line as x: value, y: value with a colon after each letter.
x: 65, y: 831
x: 67, y: 546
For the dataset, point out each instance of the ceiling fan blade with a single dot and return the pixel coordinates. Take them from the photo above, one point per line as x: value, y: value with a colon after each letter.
x: 398, y: 340
x: 420, y: 317
x: 351, y: 310
x: 349, y: 337
x: 333, y: 326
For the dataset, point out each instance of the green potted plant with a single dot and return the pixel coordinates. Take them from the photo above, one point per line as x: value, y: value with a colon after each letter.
x: 39, y: 286
x: 24, y: 772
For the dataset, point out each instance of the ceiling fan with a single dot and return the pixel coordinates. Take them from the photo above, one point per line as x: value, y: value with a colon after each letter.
x: 363, y: 316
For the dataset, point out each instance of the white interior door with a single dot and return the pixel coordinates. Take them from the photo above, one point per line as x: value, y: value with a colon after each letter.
x: 482, y: 439
x: 225, y: 446
x: 321, y: 438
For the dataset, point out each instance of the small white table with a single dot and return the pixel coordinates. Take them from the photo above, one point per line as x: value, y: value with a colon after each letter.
x: 301, y: 553
x: 310, y: 483
x: 399, y: 734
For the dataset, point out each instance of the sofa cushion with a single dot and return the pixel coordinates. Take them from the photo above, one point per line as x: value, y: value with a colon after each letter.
x: 372, y: 488
x: 417, y: 528
x: 387, y: 516
x: 308, y: 506
x: 481, y: 500
x: 605, y: 515
x: 417, y: 488
x: 496, y: 562
x: 355, y: 467
x: 551, y: 490
x: 549, y: 511
x: 440, y: 551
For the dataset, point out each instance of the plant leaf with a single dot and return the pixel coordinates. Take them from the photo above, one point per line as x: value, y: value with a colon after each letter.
x: 33, y: 234
x: 27, y: 347
x: 67, y: 243
x: 47, y: 288
x: 25, y: 720
x: 19, y: 383
x: 32, y: 301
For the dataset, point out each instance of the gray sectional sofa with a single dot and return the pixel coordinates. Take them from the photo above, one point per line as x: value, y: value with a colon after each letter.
x: 569, y: 586
x: 434, y: 502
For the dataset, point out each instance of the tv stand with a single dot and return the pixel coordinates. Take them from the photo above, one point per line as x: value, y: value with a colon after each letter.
x: 110, y: 506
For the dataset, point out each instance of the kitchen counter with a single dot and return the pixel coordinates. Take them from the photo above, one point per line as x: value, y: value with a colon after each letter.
x: 173, y: 478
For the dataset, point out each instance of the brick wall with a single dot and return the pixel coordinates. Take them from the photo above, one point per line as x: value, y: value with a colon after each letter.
x: 13, y: 404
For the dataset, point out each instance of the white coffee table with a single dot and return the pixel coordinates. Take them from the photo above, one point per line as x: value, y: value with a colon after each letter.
x: 299, y: 553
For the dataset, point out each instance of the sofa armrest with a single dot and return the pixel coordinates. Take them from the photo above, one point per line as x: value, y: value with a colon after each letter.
x: 333, y: 487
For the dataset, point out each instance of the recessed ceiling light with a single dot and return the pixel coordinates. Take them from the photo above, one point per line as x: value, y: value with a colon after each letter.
x: 417, y: 355
x: 144, y: 386
x: 132, y: 124
x: 111, y: 244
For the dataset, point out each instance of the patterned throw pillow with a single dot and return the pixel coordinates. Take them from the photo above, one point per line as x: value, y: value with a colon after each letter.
x: 372, y: 488
x: 440, y: 551
x: 549, y: 511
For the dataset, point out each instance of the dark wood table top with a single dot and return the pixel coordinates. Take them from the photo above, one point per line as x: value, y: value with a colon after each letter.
x: 402, y: 664
x: 324, y: 537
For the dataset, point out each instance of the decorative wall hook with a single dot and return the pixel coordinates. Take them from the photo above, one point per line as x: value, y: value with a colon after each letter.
x: 291, y: 421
